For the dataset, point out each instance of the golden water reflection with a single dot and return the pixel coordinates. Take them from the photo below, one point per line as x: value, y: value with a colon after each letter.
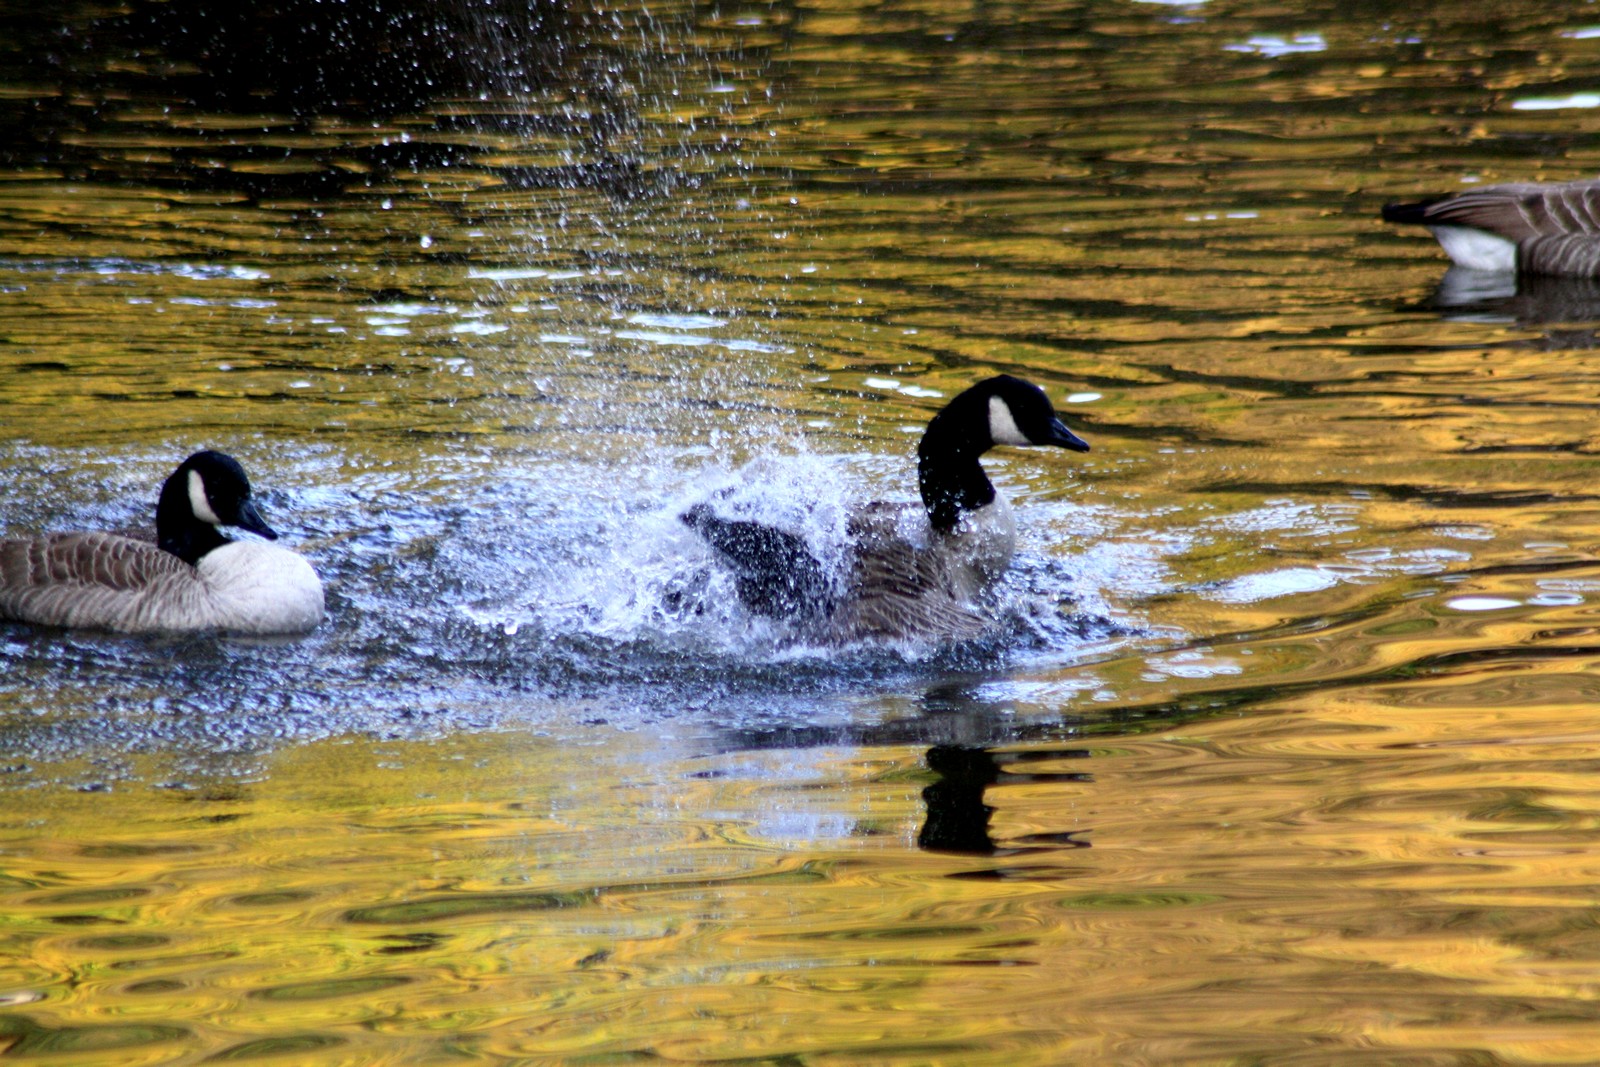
x: 1285, y: 758
x: 1329, y: 876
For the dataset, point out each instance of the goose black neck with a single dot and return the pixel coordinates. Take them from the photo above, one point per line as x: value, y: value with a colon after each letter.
x: 177, y: 529
x: 948, y: 472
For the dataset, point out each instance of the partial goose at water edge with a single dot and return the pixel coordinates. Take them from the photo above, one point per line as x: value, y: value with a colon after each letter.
x: 909, y: 572
x: 1524, y: 227
x: 193, y: 578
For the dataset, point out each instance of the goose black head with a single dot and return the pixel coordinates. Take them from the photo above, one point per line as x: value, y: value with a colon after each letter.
x: 1003, y: 410
x: 1021, y: 414
x: 207, y: 491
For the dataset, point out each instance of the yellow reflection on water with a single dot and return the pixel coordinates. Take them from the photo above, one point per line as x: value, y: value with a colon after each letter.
x: 1378, y: 869
x: 1328, y: 798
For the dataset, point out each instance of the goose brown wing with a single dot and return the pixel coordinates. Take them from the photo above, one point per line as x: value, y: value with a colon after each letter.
x: 1571, y: 254
x: 87, y: 579
x: 1523, y: 212
x: 899, y: 589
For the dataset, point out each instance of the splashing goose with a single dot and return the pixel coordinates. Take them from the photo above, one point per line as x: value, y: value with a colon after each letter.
x: 909, y: 572
x: 1528, y: 227
x: 194, y: 578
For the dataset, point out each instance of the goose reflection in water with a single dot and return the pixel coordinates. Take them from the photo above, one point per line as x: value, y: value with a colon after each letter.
x: 973, y: 745
x: 958, y: 815
x: 1465, y: 295
x: 963, y: 731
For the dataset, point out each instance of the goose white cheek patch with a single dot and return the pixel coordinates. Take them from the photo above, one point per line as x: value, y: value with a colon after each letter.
x: 1002, y: 427
x: 199, y: 503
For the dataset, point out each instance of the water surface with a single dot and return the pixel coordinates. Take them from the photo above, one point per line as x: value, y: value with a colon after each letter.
x: 1280, y: 754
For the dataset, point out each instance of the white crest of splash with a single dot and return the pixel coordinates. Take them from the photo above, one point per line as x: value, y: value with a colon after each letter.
x: 617, y: 566
x: 653, y: 579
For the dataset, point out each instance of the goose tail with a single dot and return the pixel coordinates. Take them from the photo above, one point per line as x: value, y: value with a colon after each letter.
x: 1415, y: 214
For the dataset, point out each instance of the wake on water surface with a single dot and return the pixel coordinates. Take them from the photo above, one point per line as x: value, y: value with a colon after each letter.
x: 480, y: 593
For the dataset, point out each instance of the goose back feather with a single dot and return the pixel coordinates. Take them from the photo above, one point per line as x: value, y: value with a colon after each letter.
x: 903, y: 584
x: 1549, y: 228
x: 111, y: 582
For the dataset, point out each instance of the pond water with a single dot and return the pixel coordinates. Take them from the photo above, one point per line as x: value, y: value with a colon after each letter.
x: 1281, y: 753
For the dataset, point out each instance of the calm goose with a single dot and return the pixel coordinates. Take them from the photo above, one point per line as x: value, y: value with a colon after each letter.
x: 908, y: 571
x: 193, y: 578
x: 1526, y: 227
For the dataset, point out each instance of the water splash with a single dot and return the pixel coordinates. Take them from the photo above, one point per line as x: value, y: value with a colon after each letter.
x: 640, y: 583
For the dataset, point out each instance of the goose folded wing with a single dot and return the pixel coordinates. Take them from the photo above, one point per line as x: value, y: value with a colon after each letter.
x: 899, y: 590
x: 97, y: 580
x: 1522, y: 212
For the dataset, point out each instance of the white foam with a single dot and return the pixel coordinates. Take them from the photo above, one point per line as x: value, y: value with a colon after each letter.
x: 1557, y: 103
x: 1269, y: 585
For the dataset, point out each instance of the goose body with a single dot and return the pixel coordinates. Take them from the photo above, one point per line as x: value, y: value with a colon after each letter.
x: 192, y: 579
x: 1525, y: 227
x: 909, y: 571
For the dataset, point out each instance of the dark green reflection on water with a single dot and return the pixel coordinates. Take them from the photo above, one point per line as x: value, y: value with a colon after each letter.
x: 24, y: 1037
x: 313, y: 100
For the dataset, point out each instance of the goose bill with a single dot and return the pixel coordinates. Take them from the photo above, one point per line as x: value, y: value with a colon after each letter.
x: 1060, y: 435
x: 250, y: 519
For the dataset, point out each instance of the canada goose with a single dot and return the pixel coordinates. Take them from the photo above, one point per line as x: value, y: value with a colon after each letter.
x: 908, y: 572
x: 192, y: 578
x: 1528, y: 227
